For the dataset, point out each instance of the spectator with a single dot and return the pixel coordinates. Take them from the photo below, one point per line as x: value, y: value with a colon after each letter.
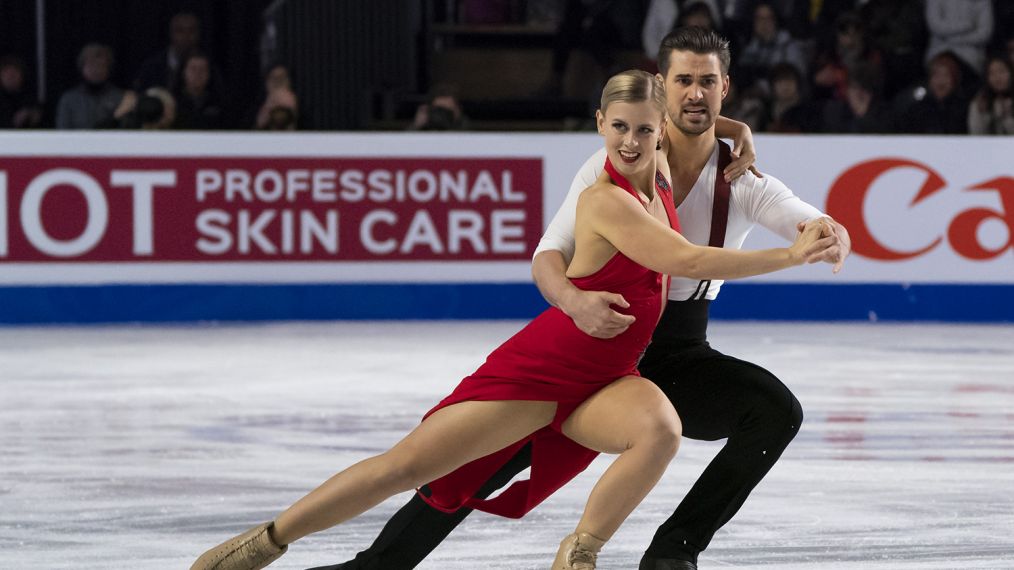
x: 745, y: 105
x: 737, y: 20
x: 145, y: 114
x: 789, y: 111
x: 962, y: 27
x: 768, y: 46
x: 281, y: 118
x: 992, y: 110
x: 659, y: 20
x: 442, y: 113
x: 199, y: 104
x: 18, y: 108
x: 95, y: 102
x: 279, y: 107
x: 155, y: 110
x: 827, y: 13
x: 162, y: 68
x: 940, y: 108
x: 897, y: 30
x: 168, y: 117
x: 794, y: 16
x: 851, y: 47
x: 602, y: 28
x: 665, y: 15
x: 863, y: 111
x: 700, y: 13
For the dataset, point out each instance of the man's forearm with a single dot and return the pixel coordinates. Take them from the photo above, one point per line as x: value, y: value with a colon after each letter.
x: 549, y: 270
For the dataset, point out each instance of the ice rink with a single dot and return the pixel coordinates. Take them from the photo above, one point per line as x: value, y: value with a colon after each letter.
x: 140, y: 447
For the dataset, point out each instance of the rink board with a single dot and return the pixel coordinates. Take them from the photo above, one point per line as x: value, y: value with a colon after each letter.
x: 116, y: 227
x: 739, y: 301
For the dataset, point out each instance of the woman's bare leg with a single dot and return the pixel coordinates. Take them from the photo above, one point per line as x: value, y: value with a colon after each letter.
x: 633, y: 418
x: 446, y: 440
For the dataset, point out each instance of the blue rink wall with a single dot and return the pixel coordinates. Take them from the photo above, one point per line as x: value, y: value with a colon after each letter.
x: 231, y: 303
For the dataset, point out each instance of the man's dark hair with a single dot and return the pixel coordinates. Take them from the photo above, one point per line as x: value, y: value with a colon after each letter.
x: 695, y: 40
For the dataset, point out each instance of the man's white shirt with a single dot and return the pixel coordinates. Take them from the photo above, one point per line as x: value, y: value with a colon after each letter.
x: 764, y: 201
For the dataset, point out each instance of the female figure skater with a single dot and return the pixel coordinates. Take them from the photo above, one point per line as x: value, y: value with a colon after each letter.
x: 569, y: 394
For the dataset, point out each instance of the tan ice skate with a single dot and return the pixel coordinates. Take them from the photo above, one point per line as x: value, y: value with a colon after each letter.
x: 251, y: 550
x: 578, y: 552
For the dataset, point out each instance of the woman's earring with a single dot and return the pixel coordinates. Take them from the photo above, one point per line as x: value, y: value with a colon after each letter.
x: 658, y: 146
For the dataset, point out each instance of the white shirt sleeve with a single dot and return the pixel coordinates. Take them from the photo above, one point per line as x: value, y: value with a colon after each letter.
x: 559, y: 234
x: 769, y: 202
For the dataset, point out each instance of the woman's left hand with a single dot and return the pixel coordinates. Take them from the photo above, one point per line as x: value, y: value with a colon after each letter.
x: 744, y: 155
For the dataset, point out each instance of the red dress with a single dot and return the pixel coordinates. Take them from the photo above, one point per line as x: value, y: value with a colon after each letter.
x: 552, y: 360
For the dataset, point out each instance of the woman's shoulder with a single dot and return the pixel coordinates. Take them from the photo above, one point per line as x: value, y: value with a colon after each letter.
x: 603, y: 189
x: 605, y: 197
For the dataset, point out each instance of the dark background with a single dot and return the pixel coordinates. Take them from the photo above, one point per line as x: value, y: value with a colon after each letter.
x: 342, y: 54
x: 368, y: 64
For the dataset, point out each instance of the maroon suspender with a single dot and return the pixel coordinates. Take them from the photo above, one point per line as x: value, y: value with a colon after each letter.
x: 720, y: 207
x: 719, y: 211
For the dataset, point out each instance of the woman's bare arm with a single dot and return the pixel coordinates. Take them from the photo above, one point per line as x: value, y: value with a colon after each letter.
x: 623, y: 222
x: 744, y: 153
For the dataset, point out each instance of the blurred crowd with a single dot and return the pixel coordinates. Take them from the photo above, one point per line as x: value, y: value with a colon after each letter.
x: 874, y: 66
x: 799, y: 66
x: 835, y: 66
x: 178, y: 87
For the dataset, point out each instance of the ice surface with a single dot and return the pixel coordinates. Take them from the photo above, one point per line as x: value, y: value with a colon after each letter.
x: 140, y: 447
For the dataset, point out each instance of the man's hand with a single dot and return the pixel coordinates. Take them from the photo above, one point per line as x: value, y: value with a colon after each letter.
x: 842, y: 247
x: 593, y: 313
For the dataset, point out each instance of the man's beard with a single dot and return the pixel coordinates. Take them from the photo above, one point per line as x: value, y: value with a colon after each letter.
x: 694, y: 130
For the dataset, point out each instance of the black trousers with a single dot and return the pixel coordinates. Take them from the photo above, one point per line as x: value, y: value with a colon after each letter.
x: 716, y: 396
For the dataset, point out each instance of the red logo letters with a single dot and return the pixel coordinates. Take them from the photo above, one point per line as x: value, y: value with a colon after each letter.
x: 848, y: 194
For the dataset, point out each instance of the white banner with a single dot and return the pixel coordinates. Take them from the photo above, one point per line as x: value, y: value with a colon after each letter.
x: 919, y: 209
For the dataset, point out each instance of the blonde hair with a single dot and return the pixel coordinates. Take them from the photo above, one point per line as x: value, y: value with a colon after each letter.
x: 633, y: 86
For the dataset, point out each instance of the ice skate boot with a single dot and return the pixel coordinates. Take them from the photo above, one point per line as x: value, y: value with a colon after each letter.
x: 578, y: 552
x: 252, y: 550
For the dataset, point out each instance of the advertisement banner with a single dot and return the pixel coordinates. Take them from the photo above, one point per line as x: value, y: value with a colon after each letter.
x: 121, y: 209
x: 108, y: 227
